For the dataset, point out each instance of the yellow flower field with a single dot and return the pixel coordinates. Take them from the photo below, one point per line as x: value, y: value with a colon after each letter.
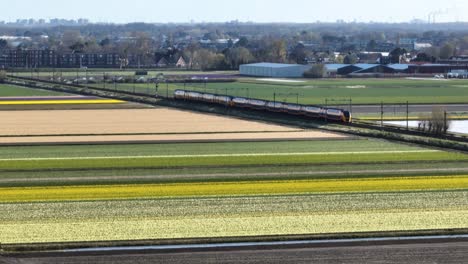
x: 55, y: 102
x: 103, y: 192
x: 212, y: 227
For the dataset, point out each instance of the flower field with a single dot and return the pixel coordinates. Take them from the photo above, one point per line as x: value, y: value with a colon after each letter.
x: 53, y: 102
x: 144, y: 191
x: 227, y: 189
x: 200, y: 217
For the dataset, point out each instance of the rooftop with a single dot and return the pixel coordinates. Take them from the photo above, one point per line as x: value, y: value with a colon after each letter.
x: 273, y: 65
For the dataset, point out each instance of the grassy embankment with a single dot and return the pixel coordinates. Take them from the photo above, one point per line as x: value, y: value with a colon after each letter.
x: 7, y: 90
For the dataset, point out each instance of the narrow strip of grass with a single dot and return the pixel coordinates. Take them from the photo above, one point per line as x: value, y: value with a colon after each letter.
x: 109, y: 192
x: 187, y: 161
x: 201, y: 148
x: 223, y: 174
x: 7, y: 90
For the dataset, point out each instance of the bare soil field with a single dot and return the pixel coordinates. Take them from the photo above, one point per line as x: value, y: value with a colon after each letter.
x: 171, y: 138
x: 138, y: 125
x: 126, y: 105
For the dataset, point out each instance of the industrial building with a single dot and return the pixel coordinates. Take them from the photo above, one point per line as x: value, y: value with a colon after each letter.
x: 274, y: 70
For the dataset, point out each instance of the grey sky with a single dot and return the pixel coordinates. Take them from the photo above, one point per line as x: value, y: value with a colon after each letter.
x: 123, y: 11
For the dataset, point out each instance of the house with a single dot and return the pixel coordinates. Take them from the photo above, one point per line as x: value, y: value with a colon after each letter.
x: 172, y: 61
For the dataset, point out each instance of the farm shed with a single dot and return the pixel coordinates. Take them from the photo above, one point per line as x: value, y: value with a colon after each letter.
x: 274, y: 70
x: 332, y: 69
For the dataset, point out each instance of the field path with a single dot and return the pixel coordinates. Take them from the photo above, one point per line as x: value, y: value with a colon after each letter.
x: 173, y: 138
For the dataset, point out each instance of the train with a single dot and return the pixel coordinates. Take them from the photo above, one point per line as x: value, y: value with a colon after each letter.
x: 316, y: 112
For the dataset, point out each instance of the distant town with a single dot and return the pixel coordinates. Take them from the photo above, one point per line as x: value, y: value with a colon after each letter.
x: 343, y: 48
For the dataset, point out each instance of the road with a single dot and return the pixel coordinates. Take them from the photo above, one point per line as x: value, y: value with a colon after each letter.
x: 401, y: 108
x: 414, y: 251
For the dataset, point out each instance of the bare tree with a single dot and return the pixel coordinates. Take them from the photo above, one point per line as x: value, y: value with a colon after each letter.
x: 317, y: 71
x: 2, y: 76
x: 437, y: 123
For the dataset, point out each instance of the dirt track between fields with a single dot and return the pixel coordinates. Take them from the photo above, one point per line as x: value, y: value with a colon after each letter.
x: 139, y: 126
x: 433, y: 251
x: 171, y: 138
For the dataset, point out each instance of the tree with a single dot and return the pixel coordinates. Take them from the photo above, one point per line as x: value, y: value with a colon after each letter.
x: 208, y: 60
x: 424, y: 57
x: 141, y: 48
x: 105, y: 42
x: 350, y: 59
x: 317, y: 71
x: 243, y: 42
x: 298, y: 54
x: 77, y: 47
x: 447, y: 51
x: 72, y: 40
x: 396, y: 55
x: 339, y: 59
x: 437, y: 123
x: 371, y: 45
x: 3, y: 44
x: 277, y: 51
x: 237, y: 56
x: 190, y: 52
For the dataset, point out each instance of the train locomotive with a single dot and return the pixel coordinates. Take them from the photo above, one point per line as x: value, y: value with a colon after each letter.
x: 317, y: 112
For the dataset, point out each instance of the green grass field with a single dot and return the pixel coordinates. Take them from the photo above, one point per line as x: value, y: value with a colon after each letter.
x: 371, y: 91
x: 226, y: 160
x: 202, y: 149
x: 12, y: 90
x: 360, y: 91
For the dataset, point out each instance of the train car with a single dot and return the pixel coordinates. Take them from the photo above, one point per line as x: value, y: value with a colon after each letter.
x: 337, y: 115
x: 195, y: 96
x: 331, y: 114
x: 313, y: 111
x: 257, y: 104
x: 222, y: 99
x: 240, y: 102
x: 275, y: 107
x: 348, y: 117
x: 294, y: 109
x: 210, y: 98
x: 179, y: 94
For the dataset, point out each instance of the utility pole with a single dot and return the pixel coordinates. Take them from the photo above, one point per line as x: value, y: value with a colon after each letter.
x: 381, y: 114
x: 407, y: 115
x: 445, y: 122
